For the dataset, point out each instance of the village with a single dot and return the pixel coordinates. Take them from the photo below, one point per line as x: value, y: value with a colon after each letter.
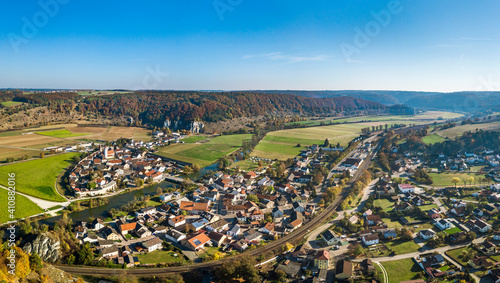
x: 223, y: 214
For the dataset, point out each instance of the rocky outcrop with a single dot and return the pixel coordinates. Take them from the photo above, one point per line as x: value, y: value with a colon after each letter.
x: 196, y: 127
x: 46, y: 245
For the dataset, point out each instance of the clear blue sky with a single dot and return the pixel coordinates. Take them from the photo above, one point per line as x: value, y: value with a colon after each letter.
x: 433, y: 45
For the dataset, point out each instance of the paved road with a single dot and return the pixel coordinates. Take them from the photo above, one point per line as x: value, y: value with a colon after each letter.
x: 311, y: 239
x: 44, y: 204
x: 441, y: 251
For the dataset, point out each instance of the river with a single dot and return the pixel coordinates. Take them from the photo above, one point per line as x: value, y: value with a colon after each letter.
x: 122, y: 199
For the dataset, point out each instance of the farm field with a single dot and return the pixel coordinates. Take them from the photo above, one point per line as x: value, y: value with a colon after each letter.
x: 24, y: 207
x: 459, y: 130
x: 29, y: 142
x: 283, y: 144
x: 26, y: 140
x: 402, y: 270
x: 444, y: 179
x: 433, y: 138
x: 429, y: 115
x: 62, y: 134
x: 37, y: 177
x: 207, y: 153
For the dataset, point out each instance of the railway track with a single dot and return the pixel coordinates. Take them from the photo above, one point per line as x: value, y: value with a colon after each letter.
x: 298, y: 234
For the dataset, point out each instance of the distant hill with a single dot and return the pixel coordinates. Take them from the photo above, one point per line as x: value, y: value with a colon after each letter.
x: 155, y: 107
x: 455, y: 101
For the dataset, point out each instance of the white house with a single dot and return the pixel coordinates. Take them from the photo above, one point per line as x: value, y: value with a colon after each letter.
x: 175, y: 236
x: 177, y: 221
x: 297, y: 206
x: 443, y: 224
x: 406, y: 188
x: 427, y: 234
x: 153, y: 244
x: 482, y: 226
x: 166, y: 197
x: 371, y: 239
x: 233, y: 232
x: 331, y: 238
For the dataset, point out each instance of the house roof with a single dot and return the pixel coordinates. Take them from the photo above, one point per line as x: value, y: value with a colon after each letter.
x: 174, y: 234
x: 329, y: 235
x: 178, y: 219
x: 322, y: 255
x: 371, y: 237
x: 199, y: 240
x: 343, y: 266
x: 295, y: 223
x: 128, y: 226
x: 215, y: 236
x: 153, y: 242
x: 189, y: 206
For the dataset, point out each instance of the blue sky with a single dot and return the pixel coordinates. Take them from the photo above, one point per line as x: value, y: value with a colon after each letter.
x: 432, y: 45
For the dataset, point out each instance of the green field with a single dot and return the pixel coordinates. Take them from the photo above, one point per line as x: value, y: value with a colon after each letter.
x: 193, y: 139
x: 402, y: 270
x: 283, y: 144
x: 247, y: 165
x: 444, y: 179
x: 37, y: 177
x: 391, y: 223
x: 62, y: 134
x: 428, y: 207
x: 206, y: 153
x: 459, y: 130
x: 453, y: 230
x: 385, y: 204
x: 161, y: 257
x: 403, y: 247
x: 455, y: 254
x: 10, y: 103
x: 433, y: 138
x: 24, y: 207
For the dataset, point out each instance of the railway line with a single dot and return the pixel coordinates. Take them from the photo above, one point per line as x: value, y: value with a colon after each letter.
x: 292, y: 237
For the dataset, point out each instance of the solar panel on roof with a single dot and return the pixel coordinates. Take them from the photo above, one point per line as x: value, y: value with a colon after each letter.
x: 197, y: 242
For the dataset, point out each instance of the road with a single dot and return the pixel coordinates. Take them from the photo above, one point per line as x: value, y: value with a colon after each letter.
x: 311, y: 239
x: 44, y: 204
x: 384, y: 272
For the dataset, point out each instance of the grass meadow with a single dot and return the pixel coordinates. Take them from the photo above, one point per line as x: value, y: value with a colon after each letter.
x: 62, y: 134
x: 37, y: 177
x: 401, y: 270
x: 433, y: 138
x: 24, y: 207
x: 207, y: 153
x: 444, y: 179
